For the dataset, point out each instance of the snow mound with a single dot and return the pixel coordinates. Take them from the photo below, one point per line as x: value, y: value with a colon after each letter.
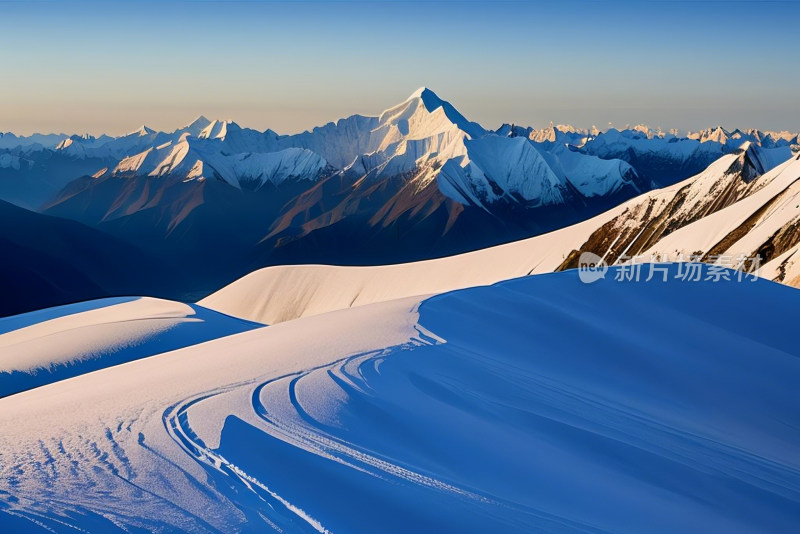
x: 45, y: 346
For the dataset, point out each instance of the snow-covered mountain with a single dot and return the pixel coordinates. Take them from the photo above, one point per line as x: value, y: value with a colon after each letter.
x: 418, y: 137
x: 423, y: 131
x: 767, y: 139
x: 189, y: 158
x: 428, y: 137
x: 651, y: 218
x: 666, y: 159
x: 417, y: 181
x: 662, y: 158
x: 766, y: 224
x: 495, y: 167
x: 421, y: 136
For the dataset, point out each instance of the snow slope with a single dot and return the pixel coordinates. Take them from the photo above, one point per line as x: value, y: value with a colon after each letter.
x: 497, y: 167
x: 118, y: 431
x: 593, y: 176
x: 785, y: 268
x: 45, y: 346
x: 539, y: 404
x: 653, y: 217
x: 275, y: 167
x: 773, y: 209
x: 730, y: 185
x: 282, y: 293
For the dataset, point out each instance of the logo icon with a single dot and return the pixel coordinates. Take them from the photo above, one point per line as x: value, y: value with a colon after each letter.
x: 591, y: 268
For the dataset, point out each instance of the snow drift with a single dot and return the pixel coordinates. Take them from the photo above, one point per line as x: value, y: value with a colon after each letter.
x: 45, y: 346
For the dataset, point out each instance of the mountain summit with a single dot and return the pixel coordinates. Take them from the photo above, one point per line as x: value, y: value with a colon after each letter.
x: 427, y: 99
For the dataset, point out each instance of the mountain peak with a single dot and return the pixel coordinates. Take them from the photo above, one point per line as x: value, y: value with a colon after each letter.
x: 755, y: 160
x: 218, y: 129
x: 427, y: 97
x: 418, y: 93
x: 196, y: 126
x: 430, y: 101
x: 142, y: 130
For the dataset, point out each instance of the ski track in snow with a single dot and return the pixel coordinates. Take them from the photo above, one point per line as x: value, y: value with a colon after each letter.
x: 86, y: 454
x: 307, y: 436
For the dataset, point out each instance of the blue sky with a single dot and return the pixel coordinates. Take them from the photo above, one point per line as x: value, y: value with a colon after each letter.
x: 109, y: 67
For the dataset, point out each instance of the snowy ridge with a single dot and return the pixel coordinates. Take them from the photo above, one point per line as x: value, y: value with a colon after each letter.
x: 495, y: 167
x: 276, y: 167
x: 187, y: 159
x: 614, y: 141
x: 419, y: 132
x: 440, y: 110
x: 593, y: 176
x: 9, y: 140
x: 767, y: 139
x: 771, y: 212
x: 215, y: 130
x: 194, y: 128
x: 730, y: 186
x: 473, y: 166
x: 644, y: 221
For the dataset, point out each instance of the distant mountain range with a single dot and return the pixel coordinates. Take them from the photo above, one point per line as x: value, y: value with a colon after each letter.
x: 213, y: 201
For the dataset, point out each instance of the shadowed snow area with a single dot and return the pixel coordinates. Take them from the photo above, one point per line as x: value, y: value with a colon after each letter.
x: 537, y: 404
x: 45, y: 346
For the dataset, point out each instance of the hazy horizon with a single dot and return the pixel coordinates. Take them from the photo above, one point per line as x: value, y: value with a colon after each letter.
x: 94, y: 68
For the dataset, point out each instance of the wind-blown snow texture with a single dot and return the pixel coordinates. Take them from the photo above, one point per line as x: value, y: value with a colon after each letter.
x: 538, y: 404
